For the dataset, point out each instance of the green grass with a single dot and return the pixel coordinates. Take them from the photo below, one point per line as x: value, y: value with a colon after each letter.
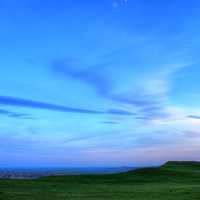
x: 172, y: 181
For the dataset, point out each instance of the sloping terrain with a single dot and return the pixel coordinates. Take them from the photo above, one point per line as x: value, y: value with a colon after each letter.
x: 172, y: 181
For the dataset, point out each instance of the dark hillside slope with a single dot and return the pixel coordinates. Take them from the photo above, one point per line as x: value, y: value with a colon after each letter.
x: 172, y: 181
x: 172, y: 171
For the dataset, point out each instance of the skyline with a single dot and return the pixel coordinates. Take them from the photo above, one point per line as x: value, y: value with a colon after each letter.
x: 99, y: 83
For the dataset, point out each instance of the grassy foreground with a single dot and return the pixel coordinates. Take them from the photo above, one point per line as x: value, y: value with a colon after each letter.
x: 172, y: 181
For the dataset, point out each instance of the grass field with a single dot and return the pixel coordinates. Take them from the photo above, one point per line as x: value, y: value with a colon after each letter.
x: 172, y: 181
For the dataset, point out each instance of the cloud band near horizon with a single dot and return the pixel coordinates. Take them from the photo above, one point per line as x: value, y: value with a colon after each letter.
x: 15, y: 101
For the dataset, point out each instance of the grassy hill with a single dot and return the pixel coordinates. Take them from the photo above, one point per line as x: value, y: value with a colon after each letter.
x: 172, y: 181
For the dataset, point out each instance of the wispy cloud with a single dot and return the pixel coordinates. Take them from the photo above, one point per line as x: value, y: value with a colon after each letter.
x: 15, y: 114
x: 14, y: 101
x: 91, y: 76
x: 118, y: 3
x: 109, y: 122
x: 149, y: 99
x: 119, y: 112
x: 194, y: 116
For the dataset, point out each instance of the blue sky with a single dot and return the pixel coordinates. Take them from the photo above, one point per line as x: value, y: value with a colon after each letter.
x: 99, y: 83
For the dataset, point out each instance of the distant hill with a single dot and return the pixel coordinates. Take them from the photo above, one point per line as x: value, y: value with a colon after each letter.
x: 182, y: 163
x: 171, y: 171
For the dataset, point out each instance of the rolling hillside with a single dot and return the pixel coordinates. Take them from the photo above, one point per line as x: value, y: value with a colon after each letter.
x: 172, y: 181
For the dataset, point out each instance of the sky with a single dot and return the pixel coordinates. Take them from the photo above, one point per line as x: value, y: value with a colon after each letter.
x: 99, y: 83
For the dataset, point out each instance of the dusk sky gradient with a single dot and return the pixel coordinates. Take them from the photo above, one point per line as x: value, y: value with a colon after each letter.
x: 99, y: 83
